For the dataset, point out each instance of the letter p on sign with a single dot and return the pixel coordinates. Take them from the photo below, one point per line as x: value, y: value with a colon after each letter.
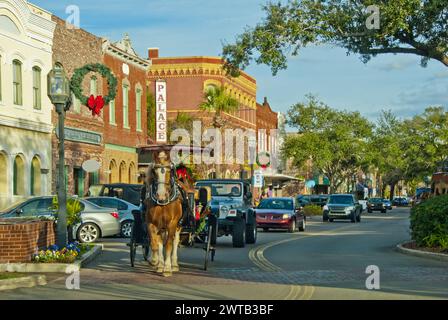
x: 373, y: 280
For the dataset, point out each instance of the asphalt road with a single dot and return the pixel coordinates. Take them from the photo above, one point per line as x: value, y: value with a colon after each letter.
x: 327, y: 261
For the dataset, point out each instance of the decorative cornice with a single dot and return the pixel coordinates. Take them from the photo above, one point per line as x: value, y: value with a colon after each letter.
x: 121, y: 54
x: 25, y: 124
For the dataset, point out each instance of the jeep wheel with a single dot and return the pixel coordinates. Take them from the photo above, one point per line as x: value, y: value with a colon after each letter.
x: 213, y: 221
x: 251, y: 234
x: 238, y: 233
x: 302, y: 226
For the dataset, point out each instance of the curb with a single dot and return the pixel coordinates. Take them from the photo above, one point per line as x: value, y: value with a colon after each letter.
x: 23, y: 282
x: 53, y: 267
x: 422, y: 254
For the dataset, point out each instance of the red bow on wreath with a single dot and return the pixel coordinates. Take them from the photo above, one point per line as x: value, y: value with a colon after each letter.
x: 95, y: 104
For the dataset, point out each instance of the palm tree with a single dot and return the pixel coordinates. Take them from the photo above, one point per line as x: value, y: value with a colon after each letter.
x: 218, y: 101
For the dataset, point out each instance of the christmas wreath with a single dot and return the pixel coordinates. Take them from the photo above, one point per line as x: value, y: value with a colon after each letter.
x: 95, y: 104
x: 264, y: 165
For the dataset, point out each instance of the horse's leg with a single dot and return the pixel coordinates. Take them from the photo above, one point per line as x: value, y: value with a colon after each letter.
x: 160, y: 253
x: 175, y: 265
x: 168, y: 251
x: 154, y: 245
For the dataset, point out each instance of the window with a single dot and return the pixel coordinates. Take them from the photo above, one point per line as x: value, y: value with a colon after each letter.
x: 3, y: 174
x: 93, y: 86
x: 126, y: 106
x: 138, y: 108
x: 17, y: 82
x: 19, y: 176
x: 76, y: 104
x: 112, y: 112
x: 0, y: 78
x: 37, y: 99
x: 35, y: 182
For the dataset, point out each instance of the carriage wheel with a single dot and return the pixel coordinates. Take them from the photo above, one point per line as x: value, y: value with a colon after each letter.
x: 132, y: 251
x: 145, y: 250
x: 208, y: 247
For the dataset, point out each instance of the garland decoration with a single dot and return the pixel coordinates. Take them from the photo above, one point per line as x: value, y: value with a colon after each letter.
x: 265, y: 155
x: 95, y: 104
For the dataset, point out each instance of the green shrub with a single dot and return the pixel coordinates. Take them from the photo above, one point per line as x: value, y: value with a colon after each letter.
x: 312, y: 210
x: 429, y: 223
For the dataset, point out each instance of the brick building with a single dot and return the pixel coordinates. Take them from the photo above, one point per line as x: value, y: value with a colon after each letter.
x: 74, y: 48
x: 187, y: 79
x: 125, y: 125
x: 267, y: 125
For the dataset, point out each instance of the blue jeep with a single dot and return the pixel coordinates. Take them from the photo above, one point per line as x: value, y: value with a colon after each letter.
x: 232, y: 212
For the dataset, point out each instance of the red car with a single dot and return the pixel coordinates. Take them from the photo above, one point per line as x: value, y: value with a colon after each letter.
x: 280, y: 213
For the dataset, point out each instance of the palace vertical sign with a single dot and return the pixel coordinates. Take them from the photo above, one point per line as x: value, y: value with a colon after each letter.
x: 161, y: 121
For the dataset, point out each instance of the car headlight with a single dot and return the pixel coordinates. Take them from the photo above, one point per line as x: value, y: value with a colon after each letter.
x: 285, y: 216
x: 348, y: 209
x: 224, y: 210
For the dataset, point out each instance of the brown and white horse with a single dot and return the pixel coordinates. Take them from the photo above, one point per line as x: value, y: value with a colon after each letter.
x: 164, y: 210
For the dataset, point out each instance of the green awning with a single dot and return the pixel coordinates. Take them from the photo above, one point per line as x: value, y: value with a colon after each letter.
x: 321, y: 180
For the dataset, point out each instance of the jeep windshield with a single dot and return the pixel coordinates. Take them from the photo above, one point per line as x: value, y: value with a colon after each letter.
x: 340, y: 200
x: 223, y: 189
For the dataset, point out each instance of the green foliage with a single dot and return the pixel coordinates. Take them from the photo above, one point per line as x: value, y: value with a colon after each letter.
x: 73, y: 210
x: 429, y: 223
x: 218, y: 101
x: 312, y: 210
x: 406, y: 26
x: 151, y: 114
x: 335, y: 141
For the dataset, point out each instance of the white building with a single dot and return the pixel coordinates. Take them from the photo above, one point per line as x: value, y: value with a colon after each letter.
x: 26, y: 35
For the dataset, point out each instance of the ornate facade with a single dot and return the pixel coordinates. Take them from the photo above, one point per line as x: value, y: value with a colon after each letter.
x: 26, y: 40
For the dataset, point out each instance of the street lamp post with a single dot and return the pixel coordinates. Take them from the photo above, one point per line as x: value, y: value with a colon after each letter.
x: 59, y: 94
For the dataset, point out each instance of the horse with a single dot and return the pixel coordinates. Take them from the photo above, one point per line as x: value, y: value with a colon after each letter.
x: 163, y: 213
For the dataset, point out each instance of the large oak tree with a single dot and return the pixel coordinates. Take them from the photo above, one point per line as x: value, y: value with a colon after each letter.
x: 418, y: 27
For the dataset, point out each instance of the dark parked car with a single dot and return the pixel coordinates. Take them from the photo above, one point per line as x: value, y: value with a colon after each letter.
x: 400, y: 202
x: 376, y: 204
x: 125, y: 191
x: 231, y: 208
x: 319, y: 200
x: 280, y: 213
x: 342, y: 206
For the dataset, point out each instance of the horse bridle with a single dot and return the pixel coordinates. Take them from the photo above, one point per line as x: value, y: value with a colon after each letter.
x: 172, y: 183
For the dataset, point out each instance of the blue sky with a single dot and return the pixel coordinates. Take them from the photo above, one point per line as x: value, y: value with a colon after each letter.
x: 199, y: 27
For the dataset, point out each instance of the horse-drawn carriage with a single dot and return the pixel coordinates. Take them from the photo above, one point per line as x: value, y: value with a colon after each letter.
x: 168, y: 191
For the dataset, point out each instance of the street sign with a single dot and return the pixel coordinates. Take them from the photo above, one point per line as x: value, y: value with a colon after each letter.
x: 258, y: 179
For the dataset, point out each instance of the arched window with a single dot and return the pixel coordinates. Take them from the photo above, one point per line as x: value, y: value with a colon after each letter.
x: 37, y: 89
x: 19, y: 176
x: 17, y: 82
x: 35, y: 183
x: 132, y: 173
x: 125, y: 106
x: 113, y: 172
x: 3, y: 174
x: 123, y: 172
x: 138, y: 108
x: 0, y: 78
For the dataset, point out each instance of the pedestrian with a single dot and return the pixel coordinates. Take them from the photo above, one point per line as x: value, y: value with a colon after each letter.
x: 270, y: 192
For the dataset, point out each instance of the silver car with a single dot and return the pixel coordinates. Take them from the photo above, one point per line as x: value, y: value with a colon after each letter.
x: 124, y: 210
x: 96, y: 222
